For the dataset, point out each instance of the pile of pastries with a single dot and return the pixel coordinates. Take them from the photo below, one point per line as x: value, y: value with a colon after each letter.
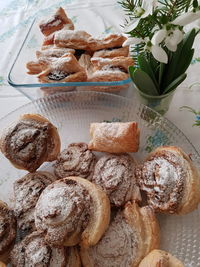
x: 93, y: 209
x: 69, y: 55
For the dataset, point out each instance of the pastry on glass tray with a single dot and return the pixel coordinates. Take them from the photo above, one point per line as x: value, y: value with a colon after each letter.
x: 112, y: 52
x: 72, y: 210
x: 170, y: 181
x: 160, y: 258
x: 54, y: 51
x: 133, y: 232
x: 56, y: 22
x: 30, y: 141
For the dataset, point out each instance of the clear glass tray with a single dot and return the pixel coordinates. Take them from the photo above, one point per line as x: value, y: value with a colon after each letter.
x: 73, y: 112
x: 28, y: 84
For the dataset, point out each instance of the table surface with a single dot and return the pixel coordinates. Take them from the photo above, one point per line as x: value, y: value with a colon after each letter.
x: 16, y: 17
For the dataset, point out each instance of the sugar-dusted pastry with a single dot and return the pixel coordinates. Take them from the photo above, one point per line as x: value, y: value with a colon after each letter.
x: 160, y: 258
x: 114, y: 137
x: 30, y: 141
x: 132, y: 234
x: 56, y: 22
x: 71, y: 211
x: 36, y: 67
x: 33, y: 251
x: 112, y: 52
x: 75, y: 160
x: 48, y: 42
x: 54, y: 52
x: 112, y: 40
x: 115, y: 175
x: 64, y: 69
x: 26, y: 192
x: 170, y: 180
x: 8, y: 230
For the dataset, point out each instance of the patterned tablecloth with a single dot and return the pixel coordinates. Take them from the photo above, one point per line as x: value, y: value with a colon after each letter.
x: 92, y: 16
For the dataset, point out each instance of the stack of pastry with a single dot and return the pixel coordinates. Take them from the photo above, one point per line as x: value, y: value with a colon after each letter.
x: 90, y: 210
x: 69, y: 55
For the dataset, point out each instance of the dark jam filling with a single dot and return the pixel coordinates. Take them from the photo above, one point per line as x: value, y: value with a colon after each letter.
x: 79, y: 52
x: 118, y: 68
x: 113, y: 48
x: 57, y: 75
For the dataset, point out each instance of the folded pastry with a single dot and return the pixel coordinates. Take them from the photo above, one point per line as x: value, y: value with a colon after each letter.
x: 114, y: 137
x: 26, y: 192
x: 56, y: 22
x: 170, y: 180
x: 48, y: 42
x: 160, y: 258
x: 34, y: 251
x: 64, y: 69
x: 30, y: 141
x: 112, y: 52
x: 36, y: 67
x: 112, y: 40
x: 7, y: 231
x: 76, y: 160
x: 132, y: 234
x: 71, y: 211
x: 115, y: 175
x: 54, y: 52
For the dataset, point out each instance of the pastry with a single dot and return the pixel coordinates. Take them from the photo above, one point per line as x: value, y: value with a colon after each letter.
x: 71, y: 211
x: 76, y: 160
x: 112, y: 52
x: 7, y: 231
x: 64, y: 69
x: 33, y: 251
x: 160, y: 258
x: 132, y: 234
x: 54, y: 52
x: 115, y: 175
x: 26, y: 192
x: 56, y: 23
x: 30, y: 141
x: 170, y: 180
x: 112, y: 40
x: 114, y: 137
x: 2, y: 264
x: 73, y: 257
x: 48, y: 42
x: 36, y: 67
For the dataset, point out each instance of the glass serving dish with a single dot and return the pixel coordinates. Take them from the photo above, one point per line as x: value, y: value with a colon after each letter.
x: 29, y: 84
x: 72, y: 114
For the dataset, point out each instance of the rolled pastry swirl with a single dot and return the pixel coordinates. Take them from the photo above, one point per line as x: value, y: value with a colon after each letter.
x: 30, y: 141
x: 170, y: 180
x: 72, y: 210
x: 76, y: 160
x: 115, y: 174
x: 33, y: 251
x: 27, y: 191
x: 7, y: 230
x: 133, y: 233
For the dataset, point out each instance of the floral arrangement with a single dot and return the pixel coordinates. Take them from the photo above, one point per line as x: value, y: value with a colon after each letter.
x: 161, y: 46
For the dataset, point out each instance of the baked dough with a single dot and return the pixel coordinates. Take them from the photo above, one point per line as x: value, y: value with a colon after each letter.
x: 110, y: 41
x: 71, y: 211
x: 56, y: 23
x: 160, y: 258
x: 114, y: 137
x: 132, y: 234
x: 112, y: 52
x: 30, y: 141
x: 54, y: 52
x: 2, y: 264
x: 170, y: 180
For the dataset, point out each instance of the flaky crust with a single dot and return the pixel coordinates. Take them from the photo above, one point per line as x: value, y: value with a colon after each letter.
x: 113, y: 52
x: 73, y: 257
x: 42, y: 136
x: 114, y: 137
x: 134, y: 239
x: 54, y: 52
x: 160, y: 258
x: 110, y: 41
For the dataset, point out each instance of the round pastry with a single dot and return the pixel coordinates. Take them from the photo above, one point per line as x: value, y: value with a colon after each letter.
x: 33, y: 251
x: 26, y: 192
x: 170, y: 180
x: 7, y: 231
x: 71, y: 211
x: 115, y: 175
x: 132, y: 234
x: 112, y: 52
x: 160, y: 258
x: 30, y: 141
x: 76, y: 160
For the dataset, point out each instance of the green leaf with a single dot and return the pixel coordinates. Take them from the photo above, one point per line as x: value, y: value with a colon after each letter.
x: 144, y: 82
x: 146, y: 67
x: 161, y: 71
x: 175, y: 83
x: 131, y: 70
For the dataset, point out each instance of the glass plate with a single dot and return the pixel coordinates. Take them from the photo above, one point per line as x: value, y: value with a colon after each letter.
x: 73, y: 112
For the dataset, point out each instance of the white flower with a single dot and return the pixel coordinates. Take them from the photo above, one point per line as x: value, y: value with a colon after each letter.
x: 159, y: 36
x: 186, y: 18
x: 141, y: 12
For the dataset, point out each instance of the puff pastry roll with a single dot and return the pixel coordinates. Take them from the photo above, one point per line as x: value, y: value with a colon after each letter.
x: 115, y: 137
x: 112, y: 52
x: 132, y: 234
x: 160, y: 258
x: 170, y: 180
x: 56, y: 23
x: 64, y: 69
